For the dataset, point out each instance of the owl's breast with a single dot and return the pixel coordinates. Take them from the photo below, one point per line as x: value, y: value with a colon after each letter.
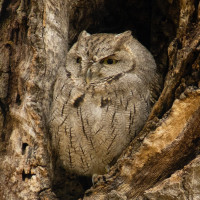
x: 95, y: 126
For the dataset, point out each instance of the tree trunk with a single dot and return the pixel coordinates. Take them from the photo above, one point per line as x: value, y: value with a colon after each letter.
x: 162, y: 162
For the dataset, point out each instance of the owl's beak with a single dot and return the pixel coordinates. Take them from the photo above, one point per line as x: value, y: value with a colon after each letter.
x: 88, y: 76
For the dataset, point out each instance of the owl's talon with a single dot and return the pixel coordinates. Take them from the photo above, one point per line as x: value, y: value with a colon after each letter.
x: 107, y: 168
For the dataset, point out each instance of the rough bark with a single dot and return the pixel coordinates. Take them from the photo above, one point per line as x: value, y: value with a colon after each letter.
x: 32, y: 35
x: 162, y: 162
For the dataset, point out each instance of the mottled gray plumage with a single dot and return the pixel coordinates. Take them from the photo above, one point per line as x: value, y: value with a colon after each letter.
x: 101, y: 100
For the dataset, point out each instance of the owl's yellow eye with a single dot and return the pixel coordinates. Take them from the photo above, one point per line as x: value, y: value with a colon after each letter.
x: 109, y: 61
x: 78, y: 60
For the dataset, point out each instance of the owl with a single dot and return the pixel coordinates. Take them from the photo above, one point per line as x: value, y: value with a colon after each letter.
x: 101, y: 100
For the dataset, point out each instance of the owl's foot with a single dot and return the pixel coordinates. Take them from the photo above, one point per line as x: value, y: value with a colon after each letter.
x: 97, y: 179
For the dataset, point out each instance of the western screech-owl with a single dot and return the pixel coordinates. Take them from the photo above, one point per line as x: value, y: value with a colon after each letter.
x: 101, y: 100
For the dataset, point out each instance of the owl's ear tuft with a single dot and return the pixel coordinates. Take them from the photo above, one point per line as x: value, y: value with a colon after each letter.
x: 84, y: 34
x: 122, y: 37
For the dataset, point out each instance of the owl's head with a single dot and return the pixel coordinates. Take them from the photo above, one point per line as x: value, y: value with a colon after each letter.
x: 105, y: 57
